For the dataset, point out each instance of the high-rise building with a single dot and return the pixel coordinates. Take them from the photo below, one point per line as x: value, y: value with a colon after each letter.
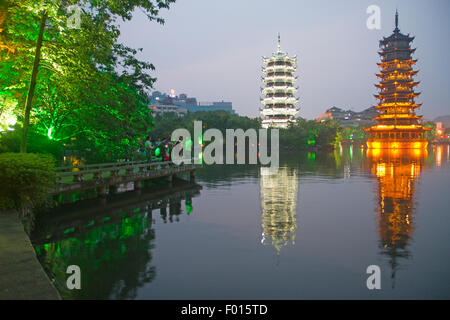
x: 279, y: 103
x: 397, y: 123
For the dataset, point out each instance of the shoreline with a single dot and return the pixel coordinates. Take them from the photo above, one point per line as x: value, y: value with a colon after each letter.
x: 22, y: 276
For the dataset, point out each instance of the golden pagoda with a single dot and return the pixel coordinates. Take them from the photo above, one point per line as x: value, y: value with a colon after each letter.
x: 397, y: 125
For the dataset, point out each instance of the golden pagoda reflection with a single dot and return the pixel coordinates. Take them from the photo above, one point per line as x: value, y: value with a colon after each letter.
x: 396, y: 172
x: 278, y: 203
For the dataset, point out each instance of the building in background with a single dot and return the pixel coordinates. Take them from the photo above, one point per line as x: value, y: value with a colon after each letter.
x: 349, y: 117
x: 187, y: 104
x: 164, y: 108
x: 397, y: 123
x: 444, y: 120
x: 279, y: 101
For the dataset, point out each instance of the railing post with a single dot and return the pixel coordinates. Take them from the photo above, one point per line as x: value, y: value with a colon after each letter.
x: 97, y: 175
x: 138, y: 185
x: 112, y: 189
x: 101, y: 191
x: 170, y: 179
x: 78, y: 177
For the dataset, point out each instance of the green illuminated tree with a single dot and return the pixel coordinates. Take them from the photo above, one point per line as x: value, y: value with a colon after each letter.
x: 60, y: 76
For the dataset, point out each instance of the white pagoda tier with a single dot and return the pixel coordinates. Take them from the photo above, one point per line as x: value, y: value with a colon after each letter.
x: 279, y: 101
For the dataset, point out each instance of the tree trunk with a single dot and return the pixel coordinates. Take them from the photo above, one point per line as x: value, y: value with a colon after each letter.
x: 37, y: 58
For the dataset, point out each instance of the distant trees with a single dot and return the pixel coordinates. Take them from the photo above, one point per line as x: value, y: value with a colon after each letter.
x: 303, y: 135
x: 309, y: 133
x: 222, y: 120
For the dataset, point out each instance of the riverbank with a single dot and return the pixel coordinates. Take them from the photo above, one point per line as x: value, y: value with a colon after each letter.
x: 21, y: 274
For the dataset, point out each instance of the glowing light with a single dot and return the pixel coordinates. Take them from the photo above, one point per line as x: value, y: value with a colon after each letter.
x: 376, y: 145
x: 7, y: 120
x: 417, y: 145
x: 50, y: 133
x: 381, y: 169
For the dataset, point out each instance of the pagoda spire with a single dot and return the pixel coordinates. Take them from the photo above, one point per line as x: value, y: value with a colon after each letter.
x: 396, y: 19
x: 279, y: 43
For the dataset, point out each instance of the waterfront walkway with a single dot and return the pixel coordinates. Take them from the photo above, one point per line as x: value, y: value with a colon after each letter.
x: 110, y: 175
x: 21, y: 274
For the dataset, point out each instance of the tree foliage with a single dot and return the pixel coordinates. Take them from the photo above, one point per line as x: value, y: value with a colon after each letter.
x: 89, y: 87
x: 309, y: 133
x: 26, y: 179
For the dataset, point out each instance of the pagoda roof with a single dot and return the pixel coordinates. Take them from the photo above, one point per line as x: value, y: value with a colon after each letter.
x: 393, y: 50
x: 400, y: 94
x: 397, y: 116
x: 395, y: 61
x: 279, y: 54
x: 393, y: 81
x: 413, y: 105
x: 396, y: 35
x: 384, y: 73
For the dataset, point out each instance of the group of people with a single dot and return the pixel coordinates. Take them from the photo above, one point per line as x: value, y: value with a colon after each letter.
x: 158, y: 150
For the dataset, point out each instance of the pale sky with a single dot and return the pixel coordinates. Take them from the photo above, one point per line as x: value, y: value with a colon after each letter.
x: 211, y: 50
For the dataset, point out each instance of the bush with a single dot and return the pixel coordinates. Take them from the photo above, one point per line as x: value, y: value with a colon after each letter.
x: 25, y: 179
x: 37, y: 143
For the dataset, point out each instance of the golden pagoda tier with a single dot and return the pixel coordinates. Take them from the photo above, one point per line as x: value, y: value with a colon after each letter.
x: 279, y: 101
x: 397, y: 126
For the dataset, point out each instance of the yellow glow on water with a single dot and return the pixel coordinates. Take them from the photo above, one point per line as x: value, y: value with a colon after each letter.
x: 439, y: 155
x: 395, y: 151
x: 376, y: 145
x: 417, y: 152
x: 381, y: 170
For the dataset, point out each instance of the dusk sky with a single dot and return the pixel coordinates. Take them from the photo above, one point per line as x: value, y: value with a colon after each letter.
x: 212, y: 50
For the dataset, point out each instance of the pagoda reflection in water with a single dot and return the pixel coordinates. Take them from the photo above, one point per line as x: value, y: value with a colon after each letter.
x: 278, y: 204
x: 397, y: 172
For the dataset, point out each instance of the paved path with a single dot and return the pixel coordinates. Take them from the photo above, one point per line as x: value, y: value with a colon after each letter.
x: 21, y: 275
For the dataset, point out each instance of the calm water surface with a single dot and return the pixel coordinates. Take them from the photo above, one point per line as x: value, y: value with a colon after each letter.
x: 309, y: 231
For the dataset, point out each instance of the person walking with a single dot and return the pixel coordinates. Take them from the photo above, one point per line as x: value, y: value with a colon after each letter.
x: 149, y: 148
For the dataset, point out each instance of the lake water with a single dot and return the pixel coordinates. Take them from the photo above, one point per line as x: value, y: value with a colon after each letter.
x: 307, y: 232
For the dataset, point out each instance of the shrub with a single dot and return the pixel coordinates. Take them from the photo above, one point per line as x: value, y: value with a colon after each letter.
x: 37, y: 143
x: 25, y: 179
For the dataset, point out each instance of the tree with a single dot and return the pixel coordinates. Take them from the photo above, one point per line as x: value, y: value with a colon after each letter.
x: 74, y: 60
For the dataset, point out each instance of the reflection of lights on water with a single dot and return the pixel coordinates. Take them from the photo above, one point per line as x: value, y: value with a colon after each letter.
x: 439, y: 156
x: 381, y: 169
x: 346, y: 171
x: 396, y: 172
x: 278, y: 192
